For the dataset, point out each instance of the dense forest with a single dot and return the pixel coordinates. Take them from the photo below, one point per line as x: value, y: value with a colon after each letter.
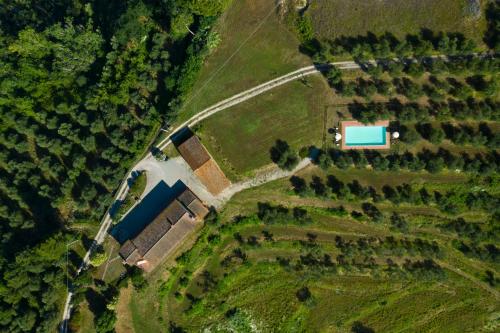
x: 84, y: 87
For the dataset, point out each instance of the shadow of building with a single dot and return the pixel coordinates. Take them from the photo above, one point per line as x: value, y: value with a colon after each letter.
x: 145, y: 211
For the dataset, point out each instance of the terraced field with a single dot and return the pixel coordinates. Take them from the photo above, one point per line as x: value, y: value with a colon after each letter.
x: 289, y: 269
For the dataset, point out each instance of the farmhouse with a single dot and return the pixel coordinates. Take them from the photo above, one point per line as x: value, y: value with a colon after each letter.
x: 203, y: 165
x: 164, y: 233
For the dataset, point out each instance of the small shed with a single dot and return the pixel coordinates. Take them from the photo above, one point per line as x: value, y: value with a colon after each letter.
x: 193, y: 152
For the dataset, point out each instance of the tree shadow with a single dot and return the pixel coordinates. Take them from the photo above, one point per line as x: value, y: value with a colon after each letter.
x: 87, y: 241
x: 491, y: 37
x: 299, y: 184
x: 96, y: 301
x: 133, y: 176
x: 318, y: 187
x: 359, y: 327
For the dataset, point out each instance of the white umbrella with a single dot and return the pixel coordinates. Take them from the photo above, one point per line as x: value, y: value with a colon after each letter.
x: 338, y: 137
x: 395, y: 135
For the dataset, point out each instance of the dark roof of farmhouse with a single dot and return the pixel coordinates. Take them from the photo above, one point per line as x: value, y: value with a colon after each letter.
x: 173, y: 212
x: 162, y: 223
x: 151, y: 235
x: 186, y: 197
x: 127, y: 248
x: 193, y: 152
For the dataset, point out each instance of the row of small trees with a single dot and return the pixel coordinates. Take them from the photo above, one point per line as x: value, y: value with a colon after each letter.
x: 460, y: 135
x: 387, y: 46
x: 470, y: 230
x: 471, y: 109
x: 432, y: 162
x: 347, y: 261
x: 487, y: 252
x: 388, y: 246
x: 437, y: 90
x: 450, y: 202
x: 482, y: 64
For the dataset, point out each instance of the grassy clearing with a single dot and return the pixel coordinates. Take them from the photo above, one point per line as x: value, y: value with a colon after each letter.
x: 240, y: 138
x: 171, y: 151
x: 141, y: 318
x: 333, y: 19
x: 83, y: 321
x: 270, y: 50
x: 137, y: 185
x: 123, y: 322
x: 429, y: 307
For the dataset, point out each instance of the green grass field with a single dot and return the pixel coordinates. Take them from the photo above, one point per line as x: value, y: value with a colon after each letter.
x: 137, y: 187
x: 332, y: 19
x: 255, y: 47
x: 240, y: 137
x: 84, y: 320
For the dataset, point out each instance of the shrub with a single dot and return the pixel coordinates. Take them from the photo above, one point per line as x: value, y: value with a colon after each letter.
x: 410, y: 135
x: 284, y: 156
x: 137, y: 278
x: 98, y: 257
x: 303, y: 25
x: 303, y: 294
x: 105, y: 322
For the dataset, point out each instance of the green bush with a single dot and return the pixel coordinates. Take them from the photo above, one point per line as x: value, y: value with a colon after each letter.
x: 137, y: 278
x: 98, y: 257
x: 105, y: 322
x: 283, y: 155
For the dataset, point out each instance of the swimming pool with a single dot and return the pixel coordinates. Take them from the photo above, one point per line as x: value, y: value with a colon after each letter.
x: 365, y: 136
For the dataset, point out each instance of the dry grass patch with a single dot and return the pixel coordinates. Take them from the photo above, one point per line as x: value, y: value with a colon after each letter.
x: 333, y: 19
x: 269, y: 50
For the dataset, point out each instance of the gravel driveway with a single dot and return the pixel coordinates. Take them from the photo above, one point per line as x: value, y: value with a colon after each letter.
x: 177, y: 169
x: 170, y: 172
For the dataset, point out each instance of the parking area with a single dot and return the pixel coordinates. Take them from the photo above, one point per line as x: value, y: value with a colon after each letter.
x: 170, y: 172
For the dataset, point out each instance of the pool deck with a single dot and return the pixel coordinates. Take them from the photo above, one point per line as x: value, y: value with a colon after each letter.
x: 348, y: 123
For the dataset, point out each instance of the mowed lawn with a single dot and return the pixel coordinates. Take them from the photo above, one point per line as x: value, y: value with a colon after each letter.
x: 333, y: 19
x: 255, y: 47
x: 240, y: 137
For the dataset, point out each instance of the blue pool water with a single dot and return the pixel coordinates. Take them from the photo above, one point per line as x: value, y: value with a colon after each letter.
x: 365, y: 136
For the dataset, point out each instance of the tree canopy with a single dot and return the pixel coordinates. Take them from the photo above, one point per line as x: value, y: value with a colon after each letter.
x: 84, y: 85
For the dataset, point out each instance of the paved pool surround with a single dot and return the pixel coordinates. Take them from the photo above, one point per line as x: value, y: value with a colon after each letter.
x: 373, y: 136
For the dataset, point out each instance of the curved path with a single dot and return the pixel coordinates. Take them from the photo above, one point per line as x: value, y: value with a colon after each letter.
x: 222, y: 105
x: 257, y: 90
x: 481, y: 284
x: 231, y: 101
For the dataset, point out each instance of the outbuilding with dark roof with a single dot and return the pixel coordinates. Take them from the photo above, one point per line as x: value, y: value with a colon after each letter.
x: 193, y: 152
